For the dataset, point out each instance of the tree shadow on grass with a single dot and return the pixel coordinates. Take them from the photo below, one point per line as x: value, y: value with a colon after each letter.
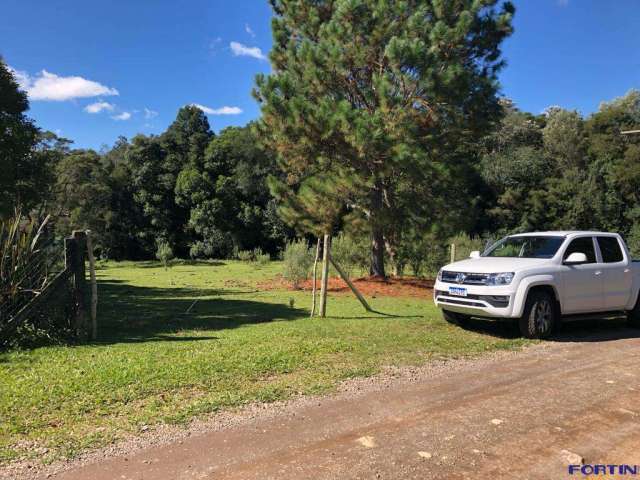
x: 129, y: 313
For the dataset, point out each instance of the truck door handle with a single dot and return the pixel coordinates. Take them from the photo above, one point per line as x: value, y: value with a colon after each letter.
x: 598, y: 272
x: 627, y: 270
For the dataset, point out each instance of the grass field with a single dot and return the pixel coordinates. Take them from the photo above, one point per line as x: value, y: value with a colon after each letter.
x: 156, y: 363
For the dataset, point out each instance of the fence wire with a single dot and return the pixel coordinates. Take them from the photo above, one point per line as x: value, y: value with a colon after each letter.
x: 31, y: 278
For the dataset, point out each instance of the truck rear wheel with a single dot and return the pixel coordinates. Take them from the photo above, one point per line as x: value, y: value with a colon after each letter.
x: 540, y: 315
x: 455, y: 318
x: 633, y: 316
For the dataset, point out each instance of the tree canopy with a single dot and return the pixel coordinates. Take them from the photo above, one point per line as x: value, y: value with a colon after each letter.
x: 378, y: 94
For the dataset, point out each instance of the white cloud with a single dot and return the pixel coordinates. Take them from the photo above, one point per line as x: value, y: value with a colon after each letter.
x: 122, y: 116
x: 97, y: 107
x: 247, y: 29
x: 21, y: 77
x: 218, y: 111
x: 49, y: 86
x: 240, y: 50
x: 149, y: 114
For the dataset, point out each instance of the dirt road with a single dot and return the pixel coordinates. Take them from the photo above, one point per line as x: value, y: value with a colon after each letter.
x: 507, y: 417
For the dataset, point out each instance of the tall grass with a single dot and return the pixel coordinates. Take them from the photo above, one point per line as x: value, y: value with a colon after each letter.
x: 19, y: 248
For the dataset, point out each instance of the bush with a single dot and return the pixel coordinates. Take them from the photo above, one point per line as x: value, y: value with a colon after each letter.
x: 245, y: 255
x: 259, y: 257
x: 423, y: 253
x: 633, y: 241
x: 465, y: 244
x: 164, y: 253
x: 216, y: 244
x: 297, y: 262
x: 351, y: 254
x: 30, y: 257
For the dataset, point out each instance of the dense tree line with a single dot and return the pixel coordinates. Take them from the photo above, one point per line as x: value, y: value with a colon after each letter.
x: 381, y: 120
x: 205, y: 195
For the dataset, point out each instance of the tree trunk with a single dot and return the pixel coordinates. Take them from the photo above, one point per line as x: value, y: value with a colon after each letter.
x: 377, y: 238
x: 377, y: 253
x: 325, y: 275
x: 393, y: 256
x: 315, y: 275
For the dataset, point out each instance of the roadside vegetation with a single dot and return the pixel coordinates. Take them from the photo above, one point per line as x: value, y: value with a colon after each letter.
x: 156, y: 364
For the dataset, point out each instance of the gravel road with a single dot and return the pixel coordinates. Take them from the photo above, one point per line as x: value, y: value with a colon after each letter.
x: 521, y: 414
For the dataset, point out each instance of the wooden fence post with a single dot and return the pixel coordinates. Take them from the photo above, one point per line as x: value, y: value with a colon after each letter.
x: 94, y: 288
x: 325, y: 275
x: 453, y: 252
x: 75, y: 248
x: 315, y: 275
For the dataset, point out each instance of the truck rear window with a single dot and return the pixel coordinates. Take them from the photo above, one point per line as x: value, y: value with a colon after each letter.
x: 610, y: 249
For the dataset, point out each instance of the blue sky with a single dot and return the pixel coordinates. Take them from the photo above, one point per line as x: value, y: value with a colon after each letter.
x: 126, y: 66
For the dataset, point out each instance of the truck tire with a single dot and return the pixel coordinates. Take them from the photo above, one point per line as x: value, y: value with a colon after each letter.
x: 540, y: 315
x: 633, y: 316
x: 455, y: 318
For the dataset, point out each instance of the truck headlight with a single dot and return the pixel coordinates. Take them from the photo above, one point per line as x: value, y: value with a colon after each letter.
x: 439, y: 275
x: 500, y: 278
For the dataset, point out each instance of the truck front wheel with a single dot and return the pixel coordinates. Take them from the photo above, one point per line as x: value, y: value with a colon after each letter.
x: 539, y: 316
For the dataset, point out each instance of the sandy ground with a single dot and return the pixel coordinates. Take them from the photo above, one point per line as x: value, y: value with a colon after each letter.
x: 509, y: 415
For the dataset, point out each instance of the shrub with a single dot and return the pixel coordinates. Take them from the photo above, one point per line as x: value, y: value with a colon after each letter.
x: 351, y: 254
x: 423, y: 253
x: 164, y: 253
x: 465, y: 244
x: 297, y: 262
x: 259, y: 257
x: 216, y: 244
x: 633, y: 241
x: 245, y: 255
x: 29, y: 259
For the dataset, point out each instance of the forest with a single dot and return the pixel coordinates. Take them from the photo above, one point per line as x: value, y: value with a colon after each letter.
x: 395, y: 161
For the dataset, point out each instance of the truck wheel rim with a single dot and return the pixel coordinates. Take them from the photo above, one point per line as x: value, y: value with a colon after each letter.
x: 543, y: 316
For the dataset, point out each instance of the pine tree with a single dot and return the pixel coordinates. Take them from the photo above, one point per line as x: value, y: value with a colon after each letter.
x: 371, y: 90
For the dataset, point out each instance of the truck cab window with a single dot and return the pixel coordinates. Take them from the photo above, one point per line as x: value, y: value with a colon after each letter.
x: 610, y: 249
x: 582, y: 245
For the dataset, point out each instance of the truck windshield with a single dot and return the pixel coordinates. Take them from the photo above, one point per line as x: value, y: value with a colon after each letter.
x: 525, y: 247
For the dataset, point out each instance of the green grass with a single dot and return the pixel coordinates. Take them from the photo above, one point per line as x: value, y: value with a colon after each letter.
x: 155, y: 363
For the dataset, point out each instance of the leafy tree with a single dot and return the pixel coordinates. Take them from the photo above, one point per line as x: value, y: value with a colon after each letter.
x: 156, y: 163
x: 614, y: 163
x: 21, y: 179
x: 364, y: 92
x: 226, y: 192
x: 83, y: 196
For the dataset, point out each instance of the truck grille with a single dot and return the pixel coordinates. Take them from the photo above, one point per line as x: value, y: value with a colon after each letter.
x: 499, y: 301
x: 463, y: 278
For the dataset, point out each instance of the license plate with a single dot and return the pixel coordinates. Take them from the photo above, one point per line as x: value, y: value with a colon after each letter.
x: 458, y: 291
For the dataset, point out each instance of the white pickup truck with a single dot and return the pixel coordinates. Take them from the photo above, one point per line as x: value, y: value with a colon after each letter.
x: 542, y: 278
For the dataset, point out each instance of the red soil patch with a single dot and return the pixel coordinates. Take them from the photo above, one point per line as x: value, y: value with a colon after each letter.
x: 368, y: 286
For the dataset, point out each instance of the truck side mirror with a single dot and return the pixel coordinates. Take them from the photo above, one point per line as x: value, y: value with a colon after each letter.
x: 474, y: 254
x: 575, y: 258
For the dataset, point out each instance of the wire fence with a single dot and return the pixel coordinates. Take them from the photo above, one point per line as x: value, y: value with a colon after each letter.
x: 31, y: 278
x: 41, y: 285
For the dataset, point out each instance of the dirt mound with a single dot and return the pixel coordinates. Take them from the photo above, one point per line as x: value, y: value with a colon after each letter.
x: 368, y: 286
